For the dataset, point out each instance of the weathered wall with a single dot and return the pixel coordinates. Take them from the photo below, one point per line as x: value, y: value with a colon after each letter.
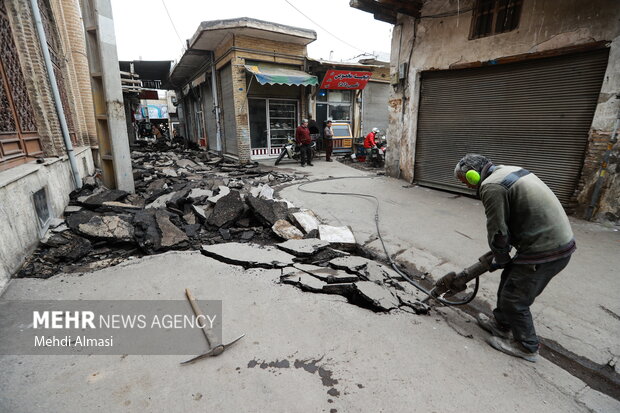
x: 440, y: 40
x: 19, y: 226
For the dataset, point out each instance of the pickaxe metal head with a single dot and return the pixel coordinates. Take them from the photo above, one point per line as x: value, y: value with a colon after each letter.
x: 213, y: 349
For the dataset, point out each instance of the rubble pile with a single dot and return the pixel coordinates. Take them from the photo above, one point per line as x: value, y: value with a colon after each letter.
x: 186, y: 200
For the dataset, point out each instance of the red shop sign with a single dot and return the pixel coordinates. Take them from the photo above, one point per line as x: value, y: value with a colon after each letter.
x: 345, y: 79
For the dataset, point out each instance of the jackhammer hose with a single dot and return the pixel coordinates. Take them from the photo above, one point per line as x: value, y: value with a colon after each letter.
x: 392, y: 263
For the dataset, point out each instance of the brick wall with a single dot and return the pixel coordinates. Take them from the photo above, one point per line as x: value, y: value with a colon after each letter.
x: 69, y: 22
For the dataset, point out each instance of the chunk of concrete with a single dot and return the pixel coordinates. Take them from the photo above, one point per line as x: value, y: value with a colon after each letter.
x: 305, y: 222
x: 329, y: 275
x: 120, y: 206
x: 171, y: 172
x: 268, y: 211
x: 336, y: 235
x: 197, y: 194
x: 303, y: 247
x: 286, y: 230
x: 223, y: 191
x: 186, y: 163
x: 227, y: 210
x: 248, y: 255
x: 201, y: 212
x: 95, y: 201
x: 161, y: 201
x: 109, y: 228
x: 171, y: 236
x: 304, y: 281
x: 351, y: 263
x: 266, y: 192
x: 375, y: 296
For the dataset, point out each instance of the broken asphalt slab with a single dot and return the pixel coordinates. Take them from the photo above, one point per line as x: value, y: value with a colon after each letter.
x: 303, y: 247
x: 248, y: 255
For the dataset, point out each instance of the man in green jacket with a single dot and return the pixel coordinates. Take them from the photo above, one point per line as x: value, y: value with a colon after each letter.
x: 523, y: 213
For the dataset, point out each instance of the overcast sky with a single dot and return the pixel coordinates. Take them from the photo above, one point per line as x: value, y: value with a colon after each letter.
x: 143, y: 29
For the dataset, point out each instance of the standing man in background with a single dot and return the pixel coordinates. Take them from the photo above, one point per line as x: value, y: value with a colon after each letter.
x: 328, y: 136
x: 303, y: 139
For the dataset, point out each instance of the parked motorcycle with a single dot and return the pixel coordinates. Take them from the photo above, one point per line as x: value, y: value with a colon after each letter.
x: 377, y: 155
x: 291, y: 149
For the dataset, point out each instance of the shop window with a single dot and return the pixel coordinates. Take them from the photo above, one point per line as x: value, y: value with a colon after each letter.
x: 282, y: 124
x: 494, y: 16
x: 258, y: 122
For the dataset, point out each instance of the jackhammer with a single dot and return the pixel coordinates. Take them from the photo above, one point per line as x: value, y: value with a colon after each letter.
x: 453, y: 283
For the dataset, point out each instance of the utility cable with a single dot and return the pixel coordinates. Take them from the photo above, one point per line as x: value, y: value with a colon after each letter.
x: 172, y: 23
x: 324, y: 29
x: 467, y: 300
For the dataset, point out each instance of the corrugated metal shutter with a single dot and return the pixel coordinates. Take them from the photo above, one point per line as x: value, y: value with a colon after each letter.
x: 375, y: 106
x: 228, y: 109
x: 534, y: 114
x: 210, y: 115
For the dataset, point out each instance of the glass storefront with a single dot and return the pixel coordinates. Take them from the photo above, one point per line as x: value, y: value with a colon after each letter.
x: 335, y: 105
x: 272, y: 123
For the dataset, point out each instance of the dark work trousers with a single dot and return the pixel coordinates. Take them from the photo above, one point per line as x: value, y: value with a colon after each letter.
x: 305, y: 153
x: 329, y: 145
x: 519, y: 286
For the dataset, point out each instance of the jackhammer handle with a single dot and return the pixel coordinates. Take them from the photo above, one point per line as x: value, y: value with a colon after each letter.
x: 211, y: 340
x: 483, y: 265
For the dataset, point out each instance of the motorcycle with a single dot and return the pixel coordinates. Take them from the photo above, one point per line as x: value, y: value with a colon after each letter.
x: 377, y: 155
x: 291, y: 149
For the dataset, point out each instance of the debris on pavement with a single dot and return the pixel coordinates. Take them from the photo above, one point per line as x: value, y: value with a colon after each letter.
x: 185, y: 199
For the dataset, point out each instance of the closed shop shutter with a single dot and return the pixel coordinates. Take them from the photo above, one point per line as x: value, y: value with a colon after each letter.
x: 534, y: 114
x: 228, y: 109
x: 210, y: 115
x: 375, y: 106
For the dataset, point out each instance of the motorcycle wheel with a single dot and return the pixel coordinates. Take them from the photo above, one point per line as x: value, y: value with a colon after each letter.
x: 281, y: 156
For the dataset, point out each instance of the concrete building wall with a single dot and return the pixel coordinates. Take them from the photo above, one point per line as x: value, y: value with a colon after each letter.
x: 19, y: 227
x: 440, y: 40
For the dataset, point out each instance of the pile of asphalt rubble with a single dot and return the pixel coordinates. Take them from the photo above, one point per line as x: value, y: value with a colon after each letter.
x: 187, y: 200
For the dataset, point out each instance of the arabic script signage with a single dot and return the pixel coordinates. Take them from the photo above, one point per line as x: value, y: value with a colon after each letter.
x: 345, y: 79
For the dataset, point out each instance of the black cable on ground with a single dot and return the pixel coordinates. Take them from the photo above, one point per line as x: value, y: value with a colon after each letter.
x: 392, y: 263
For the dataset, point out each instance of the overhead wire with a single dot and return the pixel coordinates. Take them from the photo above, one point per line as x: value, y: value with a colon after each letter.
x: 172, y: 23
x: 324, y: 29
x: 393, y: 264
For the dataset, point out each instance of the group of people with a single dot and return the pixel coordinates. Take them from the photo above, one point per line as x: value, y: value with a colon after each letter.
x: 303, y: 138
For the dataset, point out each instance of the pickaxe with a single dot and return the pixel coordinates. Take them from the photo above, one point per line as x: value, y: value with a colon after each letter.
x: 213, y: 350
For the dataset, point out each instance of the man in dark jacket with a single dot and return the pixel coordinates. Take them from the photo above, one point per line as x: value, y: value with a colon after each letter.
x: 302, y: 138
x: 523, y: 213
x: 328, y: 136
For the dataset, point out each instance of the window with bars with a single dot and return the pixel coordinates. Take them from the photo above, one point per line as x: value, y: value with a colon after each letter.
x: 19, y: 139
x: 494, y: 16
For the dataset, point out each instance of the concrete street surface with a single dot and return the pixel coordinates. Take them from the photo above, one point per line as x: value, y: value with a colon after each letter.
x: 435, y: 232
x: 302, y: 352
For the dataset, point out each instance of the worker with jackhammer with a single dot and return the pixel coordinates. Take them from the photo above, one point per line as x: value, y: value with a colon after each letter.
x: 522, y: 212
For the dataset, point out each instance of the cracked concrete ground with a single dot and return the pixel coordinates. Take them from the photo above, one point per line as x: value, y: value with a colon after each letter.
x: 302, y: 352
x: 436, y: 232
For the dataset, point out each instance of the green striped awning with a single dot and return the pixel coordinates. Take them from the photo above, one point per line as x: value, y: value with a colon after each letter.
x: 281, y: 76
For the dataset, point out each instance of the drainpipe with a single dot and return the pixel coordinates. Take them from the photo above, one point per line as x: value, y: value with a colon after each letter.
x: 216, y: 106
x: 57, y: 102
x: 601, y: 176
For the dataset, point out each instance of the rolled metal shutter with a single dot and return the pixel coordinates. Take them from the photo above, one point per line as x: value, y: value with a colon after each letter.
x: 375, y: 106
x: 534, y: 114
x: 228, y: 109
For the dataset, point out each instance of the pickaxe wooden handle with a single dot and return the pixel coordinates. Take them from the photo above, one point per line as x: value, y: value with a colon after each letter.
x: 213, y: 349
